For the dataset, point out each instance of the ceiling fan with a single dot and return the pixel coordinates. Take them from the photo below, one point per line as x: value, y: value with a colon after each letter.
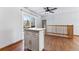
x: 49, y: 9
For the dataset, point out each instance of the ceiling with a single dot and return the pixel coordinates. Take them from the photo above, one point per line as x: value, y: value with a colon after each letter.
x: 41, y: 11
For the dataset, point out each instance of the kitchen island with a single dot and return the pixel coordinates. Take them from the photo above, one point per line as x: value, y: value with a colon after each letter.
x: 34, y: 39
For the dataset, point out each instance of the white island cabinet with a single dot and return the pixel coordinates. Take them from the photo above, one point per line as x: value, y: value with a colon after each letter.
x: 34, y: 39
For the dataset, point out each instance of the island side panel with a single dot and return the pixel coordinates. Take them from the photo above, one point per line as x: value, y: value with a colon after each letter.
x: 41, y: 40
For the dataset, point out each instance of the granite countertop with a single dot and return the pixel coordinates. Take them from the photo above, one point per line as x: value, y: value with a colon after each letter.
x: 36, y: 29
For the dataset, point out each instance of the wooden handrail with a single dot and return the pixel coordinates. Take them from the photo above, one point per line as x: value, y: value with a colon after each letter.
x: 69, y: 29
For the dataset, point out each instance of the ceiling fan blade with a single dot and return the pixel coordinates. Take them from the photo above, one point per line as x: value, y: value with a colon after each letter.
x: 54, y: 9
x: 49, y: 9
x: 51, y: 12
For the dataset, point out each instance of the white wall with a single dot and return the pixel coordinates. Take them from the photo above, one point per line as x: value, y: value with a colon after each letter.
x: 38, y: 22
x: 10, y: 25
x: 65, y: 18
x: 37, y: 17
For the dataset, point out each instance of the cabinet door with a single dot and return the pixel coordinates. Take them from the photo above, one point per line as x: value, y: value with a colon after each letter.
x: 35, y: 41
x: 44, y: 24
x: 32, y: 40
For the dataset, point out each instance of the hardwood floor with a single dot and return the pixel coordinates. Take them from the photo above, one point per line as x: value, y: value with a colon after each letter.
x: 54, y: 43
x: 17, y: 46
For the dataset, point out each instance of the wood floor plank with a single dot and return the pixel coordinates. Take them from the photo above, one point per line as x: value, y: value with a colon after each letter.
x: 54, y: 43
x: 17, y: 46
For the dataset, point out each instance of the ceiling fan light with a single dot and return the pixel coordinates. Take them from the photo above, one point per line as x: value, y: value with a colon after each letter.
x: 46, y: 12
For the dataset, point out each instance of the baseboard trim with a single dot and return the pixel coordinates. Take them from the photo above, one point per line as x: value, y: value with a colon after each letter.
x: 17, y: 46
x: 59, y: 35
